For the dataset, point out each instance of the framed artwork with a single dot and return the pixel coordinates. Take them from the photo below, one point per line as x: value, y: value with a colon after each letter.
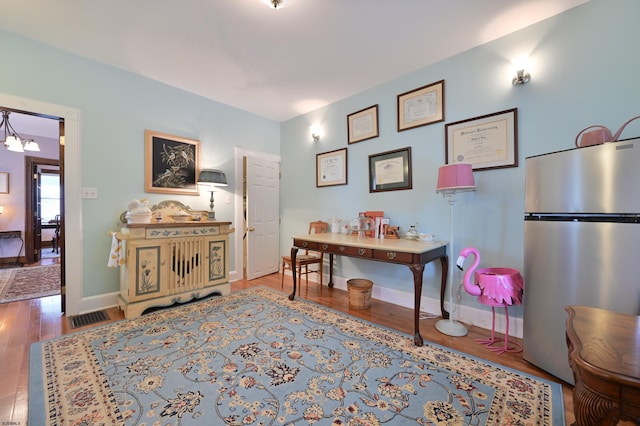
x: 171, y: 164
x: 331, y: 168
x: 390, y: 171
x: 421, y: 106
x: 487, y: 142
x: 363, y: 124
x: 4, y: 182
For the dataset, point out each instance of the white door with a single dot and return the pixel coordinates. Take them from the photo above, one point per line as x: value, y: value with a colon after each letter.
x: 263, y: 217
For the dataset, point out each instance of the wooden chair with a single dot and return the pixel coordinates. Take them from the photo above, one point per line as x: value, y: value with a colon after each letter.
x: 303, y: 260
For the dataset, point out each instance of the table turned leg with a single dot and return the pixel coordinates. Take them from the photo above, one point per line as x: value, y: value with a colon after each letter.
x: 417, y: 296
x: 294, y: 253
x: 330, y: 284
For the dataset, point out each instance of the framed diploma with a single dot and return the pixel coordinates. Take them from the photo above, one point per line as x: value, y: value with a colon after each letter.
x: 363, y: 125
x: 487, y: 142
x: 421, y: 106
x: 331, y: 168
x: 390, y: 171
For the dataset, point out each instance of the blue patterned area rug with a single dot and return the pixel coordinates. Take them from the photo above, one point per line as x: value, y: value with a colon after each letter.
x: 256, y: 358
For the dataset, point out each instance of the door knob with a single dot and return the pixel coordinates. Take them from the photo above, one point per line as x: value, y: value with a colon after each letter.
x: 251, y: 229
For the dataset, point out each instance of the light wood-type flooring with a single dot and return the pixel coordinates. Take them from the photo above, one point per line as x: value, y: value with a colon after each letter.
x: 23, y: 323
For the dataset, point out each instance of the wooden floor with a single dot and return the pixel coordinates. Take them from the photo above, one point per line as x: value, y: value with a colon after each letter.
x: 23, y: 323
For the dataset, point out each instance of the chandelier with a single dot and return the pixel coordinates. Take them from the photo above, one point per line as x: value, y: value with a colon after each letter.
x: 12, y: 140
x: 277, y: 4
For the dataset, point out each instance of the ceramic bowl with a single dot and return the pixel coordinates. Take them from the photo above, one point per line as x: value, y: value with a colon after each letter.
x: 426, y: 238
x: 182, y: 217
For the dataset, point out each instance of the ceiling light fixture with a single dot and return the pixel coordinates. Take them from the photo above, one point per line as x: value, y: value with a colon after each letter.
x: 12, y: 140
x: 277, y: 4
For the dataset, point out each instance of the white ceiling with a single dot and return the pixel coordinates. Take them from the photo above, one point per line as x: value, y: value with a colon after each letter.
x: 275, y: 63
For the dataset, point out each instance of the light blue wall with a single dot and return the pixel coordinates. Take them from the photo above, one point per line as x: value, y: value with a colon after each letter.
x: 116, y: 108
x: 584, y: 67
x: 584, y: 71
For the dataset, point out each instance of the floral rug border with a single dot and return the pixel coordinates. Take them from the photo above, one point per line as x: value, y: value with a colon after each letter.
x: 505, y: 381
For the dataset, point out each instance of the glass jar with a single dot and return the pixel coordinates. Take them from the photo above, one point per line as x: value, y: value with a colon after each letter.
x: 362, y: 224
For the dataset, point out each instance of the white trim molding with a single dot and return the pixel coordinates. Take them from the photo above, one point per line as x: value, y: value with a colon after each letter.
x: 72, y: 190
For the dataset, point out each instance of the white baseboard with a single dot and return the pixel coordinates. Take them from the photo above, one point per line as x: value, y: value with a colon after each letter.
x: 97, y: 303
x: 464, y: 314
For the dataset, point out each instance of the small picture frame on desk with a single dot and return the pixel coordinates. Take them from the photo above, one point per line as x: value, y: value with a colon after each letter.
x: 4, y: 182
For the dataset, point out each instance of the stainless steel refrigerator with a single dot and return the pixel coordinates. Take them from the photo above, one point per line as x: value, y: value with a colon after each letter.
x: 582, y: 242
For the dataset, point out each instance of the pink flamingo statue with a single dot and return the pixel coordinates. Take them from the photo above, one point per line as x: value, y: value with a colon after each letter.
x: 494, y: 287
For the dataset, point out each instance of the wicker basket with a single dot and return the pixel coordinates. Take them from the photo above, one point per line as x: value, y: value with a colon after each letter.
x: 359, y: 293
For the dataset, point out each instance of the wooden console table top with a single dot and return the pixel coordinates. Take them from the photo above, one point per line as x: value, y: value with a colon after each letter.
x: 604, y: 354
x: 166, y: 223
x: 400, y: 244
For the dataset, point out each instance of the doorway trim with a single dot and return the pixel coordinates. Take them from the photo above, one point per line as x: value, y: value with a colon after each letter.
x: 29, y: 228
x: 238, y: 206
x: 72, y: 190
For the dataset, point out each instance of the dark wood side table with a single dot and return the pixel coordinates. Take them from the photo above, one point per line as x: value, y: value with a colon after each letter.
x: 7, y: 235
x: 604, y: 354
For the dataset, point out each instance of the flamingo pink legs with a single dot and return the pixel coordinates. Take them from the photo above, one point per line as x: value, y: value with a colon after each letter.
x: 490, y: 343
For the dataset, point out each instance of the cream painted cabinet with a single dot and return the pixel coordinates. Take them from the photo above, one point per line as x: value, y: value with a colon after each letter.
x: 168, y: 263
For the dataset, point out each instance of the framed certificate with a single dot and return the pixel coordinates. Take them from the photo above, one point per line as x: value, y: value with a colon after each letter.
x: 390, y: 171
x: 487, y: 142
x: 363, y: 125
x: 331, y: 168
x: 421, y: 106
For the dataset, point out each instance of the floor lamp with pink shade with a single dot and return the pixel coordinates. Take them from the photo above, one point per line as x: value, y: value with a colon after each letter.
x: 452, y: 179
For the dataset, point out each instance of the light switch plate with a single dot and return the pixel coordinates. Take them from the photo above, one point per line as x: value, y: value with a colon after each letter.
x: 91, y: 193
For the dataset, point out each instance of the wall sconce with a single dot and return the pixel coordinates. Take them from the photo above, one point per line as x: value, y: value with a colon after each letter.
x: 520, y: 66
x: 315, y: 133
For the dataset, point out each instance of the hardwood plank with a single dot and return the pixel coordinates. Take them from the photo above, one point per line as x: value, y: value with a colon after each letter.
x: 25, y: 322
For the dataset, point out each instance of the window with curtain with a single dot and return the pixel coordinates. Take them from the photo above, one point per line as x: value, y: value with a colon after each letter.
x: 49, y: 196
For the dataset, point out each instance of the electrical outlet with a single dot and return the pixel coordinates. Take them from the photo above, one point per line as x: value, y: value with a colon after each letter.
x: 227, y: 199
x: 91, y: 193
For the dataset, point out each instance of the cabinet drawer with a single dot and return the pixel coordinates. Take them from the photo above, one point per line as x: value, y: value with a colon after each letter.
x: 349, y: 251
x: 393, y: 256
x: 305, y: 244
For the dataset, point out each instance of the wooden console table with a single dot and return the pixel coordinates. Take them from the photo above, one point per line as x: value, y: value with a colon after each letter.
x: 13, y: 235
x: 604, y: 354
x: 411, y: 253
